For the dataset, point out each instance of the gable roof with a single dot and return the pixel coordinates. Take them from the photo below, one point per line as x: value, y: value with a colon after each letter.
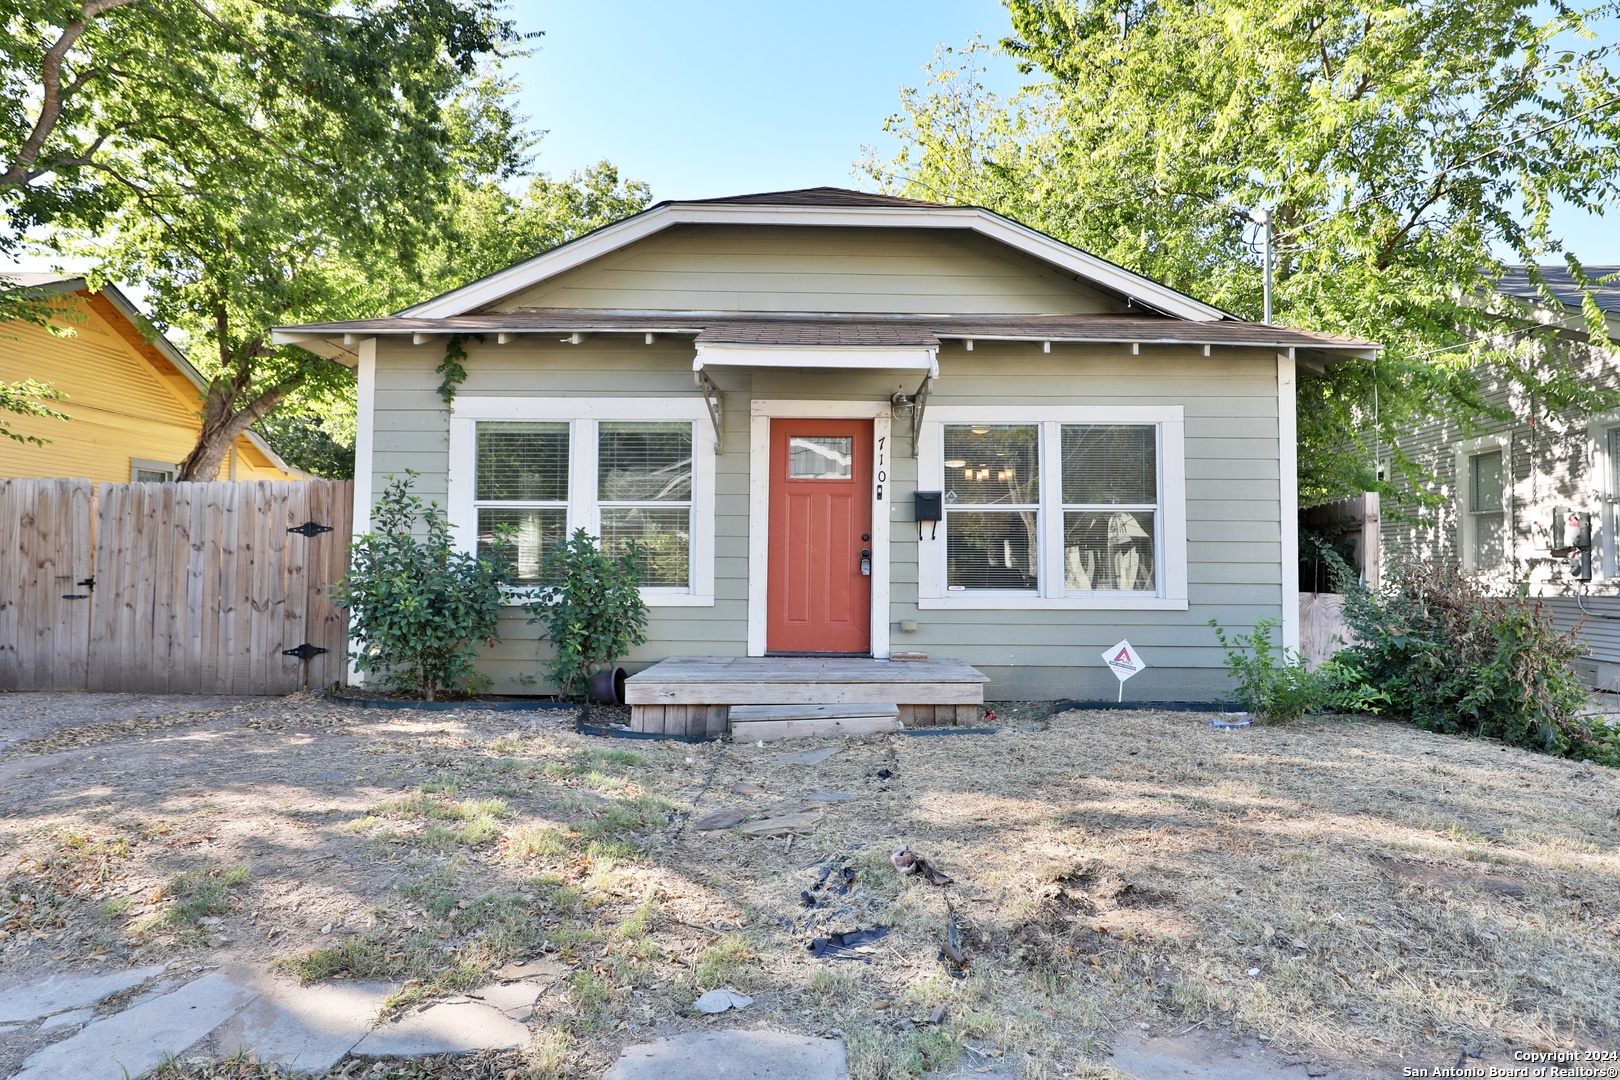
x: 142, y: 335
x: 817, y: 207
x: 817, y: 196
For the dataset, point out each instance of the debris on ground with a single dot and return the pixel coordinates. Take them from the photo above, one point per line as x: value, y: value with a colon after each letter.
x: 1231, y: 721
x: 951, y: 953
x: 746, y: 787
x: 781, y: 824
x: 849, y: 945
x: 844, y: 881
x: 718, y: 1001
x: 720, y: 819
x: 909, y: 862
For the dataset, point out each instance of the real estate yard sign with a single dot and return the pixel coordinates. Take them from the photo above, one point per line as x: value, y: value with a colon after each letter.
x: 1123, y: 661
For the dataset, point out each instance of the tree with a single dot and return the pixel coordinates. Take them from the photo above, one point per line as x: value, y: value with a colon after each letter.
x: 254, y: 164
x: 483, y: 227
x: 1398, y: 148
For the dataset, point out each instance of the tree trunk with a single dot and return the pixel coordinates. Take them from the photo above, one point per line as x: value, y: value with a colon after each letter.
x: 222, y: 425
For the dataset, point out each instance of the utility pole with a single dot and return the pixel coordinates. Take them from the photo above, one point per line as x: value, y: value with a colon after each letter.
x: 1263, y: 219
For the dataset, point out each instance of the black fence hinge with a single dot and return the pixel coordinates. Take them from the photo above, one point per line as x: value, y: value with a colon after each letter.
x: 309, y: 528
x: 89, y: 583
x: 306, y: 651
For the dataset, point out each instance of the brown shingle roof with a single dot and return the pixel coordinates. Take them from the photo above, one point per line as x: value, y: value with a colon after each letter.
x: 816, y: 332
x: 855, y: 329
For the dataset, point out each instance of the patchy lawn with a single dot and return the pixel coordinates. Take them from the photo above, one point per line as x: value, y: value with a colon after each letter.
x: 1341, y: 891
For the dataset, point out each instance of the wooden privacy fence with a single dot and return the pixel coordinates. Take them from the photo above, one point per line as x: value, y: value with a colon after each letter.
x: 172, y: 588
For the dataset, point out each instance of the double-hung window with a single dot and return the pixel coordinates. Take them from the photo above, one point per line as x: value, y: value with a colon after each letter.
x: 1483, y: 517
x: 1064, y: 506
x: 625, y: 470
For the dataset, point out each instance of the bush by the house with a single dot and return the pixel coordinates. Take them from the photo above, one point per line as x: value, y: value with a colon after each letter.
x: 1450, y: 658
x: 419, y: 609
x: 592, y: 609
x: 1275, y: 683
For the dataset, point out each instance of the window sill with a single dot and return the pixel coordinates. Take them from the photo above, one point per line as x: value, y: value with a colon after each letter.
x: 1006, y: 602
x: 516, y: 597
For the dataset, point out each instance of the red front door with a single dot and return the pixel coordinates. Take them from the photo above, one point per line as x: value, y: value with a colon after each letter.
x: 818, y: 600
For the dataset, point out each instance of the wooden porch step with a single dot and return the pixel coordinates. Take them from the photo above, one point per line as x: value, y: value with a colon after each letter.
x: 767, y: 723
x: 700, y: 695
x: 752, y: 680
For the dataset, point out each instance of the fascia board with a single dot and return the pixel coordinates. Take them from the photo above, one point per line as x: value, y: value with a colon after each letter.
x: 328, y: 346
x: 162, y: 344
x: 594, y: 245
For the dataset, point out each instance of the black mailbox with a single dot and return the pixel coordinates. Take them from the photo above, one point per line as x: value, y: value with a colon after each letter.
x: 930, y: 506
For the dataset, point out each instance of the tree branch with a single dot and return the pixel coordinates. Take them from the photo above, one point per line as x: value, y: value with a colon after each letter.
x: 21, y: 169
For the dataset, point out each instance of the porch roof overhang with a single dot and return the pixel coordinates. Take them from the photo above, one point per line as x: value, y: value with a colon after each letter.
x: 921, y: 359
x: 340, y: 340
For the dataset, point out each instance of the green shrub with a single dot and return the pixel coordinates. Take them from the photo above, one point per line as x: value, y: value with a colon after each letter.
x: 1272, y: 683
x: 593, y: 613
x: 418, y: 608
x: 1450, y: 658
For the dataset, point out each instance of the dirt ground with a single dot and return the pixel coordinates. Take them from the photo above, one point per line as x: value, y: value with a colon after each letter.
x: 1347, y: 896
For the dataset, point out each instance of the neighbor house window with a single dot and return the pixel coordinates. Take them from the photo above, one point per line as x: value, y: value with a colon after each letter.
x: 1483, y: 514
x: 1063, y: 510
x: 1485, y: 508
x: 151, y: 472
x: 536, y: 469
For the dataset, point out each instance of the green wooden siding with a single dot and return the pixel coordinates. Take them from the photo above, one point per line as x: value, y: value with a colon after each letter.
x: 772, y: 268
x: 1230, y: 404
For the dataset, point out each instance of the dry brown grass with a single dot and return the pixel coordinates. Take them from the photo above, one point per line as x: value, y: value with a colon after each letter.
x: 1392, y: 889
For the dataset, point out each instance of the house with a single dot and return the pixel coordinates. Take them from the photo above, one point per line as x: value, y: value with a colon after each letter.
x: 1500, y: 488
x: 853, y: 425
x: 133, y: 398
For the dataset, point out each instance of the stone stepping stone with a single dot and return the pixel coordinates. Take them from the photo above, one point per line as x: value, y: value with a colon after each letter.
x: 309, y: 1028
x: 452, y: 1028
x: 514, y: 999
x: 138, y: 1038
x: 742, y: 1054
x: 32, y: 1000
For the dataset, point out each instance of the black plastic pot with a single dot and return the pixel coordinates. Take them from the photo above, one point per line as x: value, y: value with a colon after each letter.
x: 607, y: 687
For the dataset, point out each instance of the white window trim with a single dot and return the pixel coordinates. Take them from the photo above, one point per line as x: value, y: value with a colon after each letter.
x: 583, y: 415
x: 761, y: 412
x: 1462, y: 453
x: 1602, y: 492
x: 1172, y: 594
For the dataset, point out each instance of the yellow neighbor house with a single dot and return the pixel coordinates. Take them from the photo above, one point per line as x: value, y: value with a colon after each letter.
x: 135, y: 404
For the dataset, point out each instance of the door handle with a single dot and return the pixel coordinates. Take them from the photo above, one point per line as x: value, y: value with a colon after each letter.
x: 866, y: 562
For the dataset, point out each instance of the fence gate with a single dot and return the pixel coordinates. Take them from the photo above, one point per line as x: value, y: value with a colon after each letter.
x: 45, y: 557
x: 196, y: 588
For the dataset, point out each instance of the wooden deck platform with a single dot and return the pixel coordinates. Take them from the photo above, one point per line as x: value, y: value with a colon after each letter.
x: 693, y: 695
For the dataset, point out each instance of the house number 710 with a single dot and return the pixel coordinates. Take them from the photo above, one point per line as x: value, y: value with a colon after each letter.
x: 882, y: 472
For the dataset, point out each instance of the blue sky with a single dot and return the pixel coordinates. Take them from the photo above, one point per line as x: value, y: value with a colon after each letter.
x: 707, y: 98
x: 716, y: 97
